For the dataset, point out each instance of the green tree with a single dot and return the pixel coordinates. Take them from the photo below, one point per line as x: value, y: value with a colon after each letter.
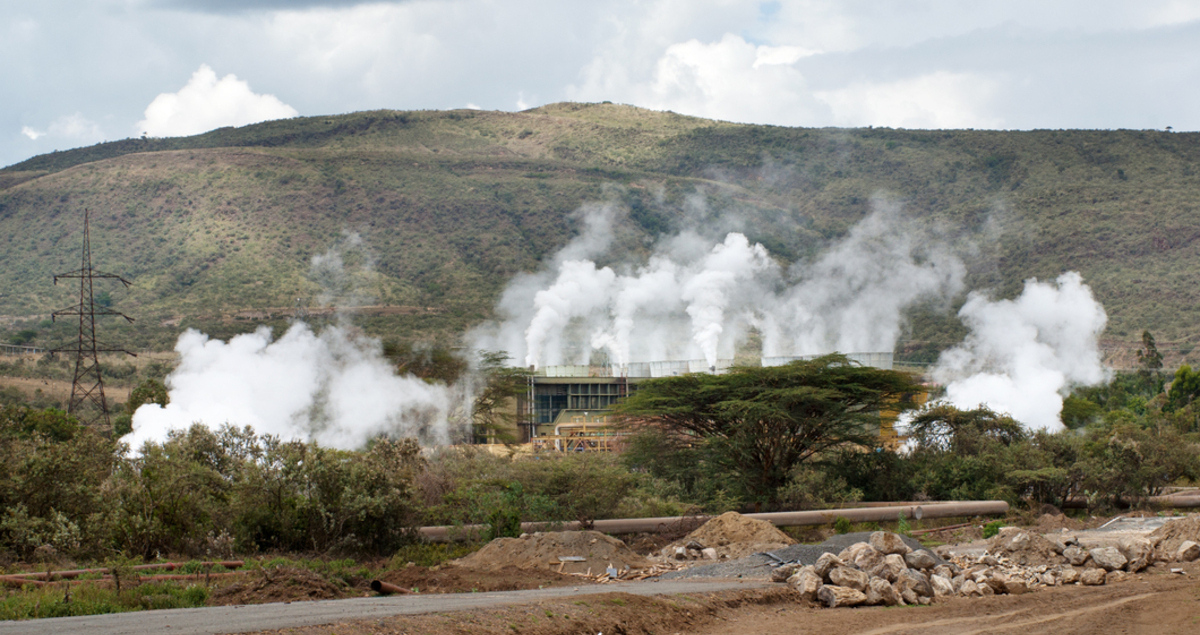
x: 1184, y: 389
x: 1151, y: 362
x: 760, y: 423
x: 494, y: 414
x: 964, y: 454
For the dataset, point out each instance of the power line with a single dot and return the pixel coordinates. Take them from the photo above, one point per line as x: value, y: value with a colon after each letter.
x: 88, y: 403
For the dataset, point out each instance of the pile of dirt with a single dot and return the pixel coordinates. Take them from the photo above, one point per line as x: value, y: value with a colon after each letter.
x: 280, y: 584
x: 1027, y: 548
x: 1173, y: 533
x: 1048, y: 523
x: 454, y: 579
x: 558, y: 551
x: 733, y: 535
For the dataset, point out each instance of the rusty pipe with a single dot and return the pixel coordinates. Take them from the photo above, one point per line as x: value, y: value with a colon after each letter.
x: 448, y: 533
x: 1178, y: 501
x: 18, y: 582
x: 386, y: 588
x: 169, y: 566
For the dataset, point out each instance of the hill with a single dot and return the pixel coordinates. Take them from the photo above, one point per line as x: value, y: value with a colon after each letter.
x: 219, y: 230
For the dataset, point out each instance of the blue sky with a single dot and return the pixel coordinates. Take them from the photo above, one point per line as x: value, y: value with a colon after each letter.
x: 77, y: 73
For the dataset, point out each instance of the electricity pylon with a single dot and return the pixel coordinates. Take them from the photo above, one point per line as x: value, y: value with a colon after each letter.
x: 87, y: 386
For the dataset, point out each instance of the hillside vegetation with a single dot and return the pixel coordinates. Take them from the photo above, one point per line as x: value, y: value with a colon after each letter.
x: 219, y: 230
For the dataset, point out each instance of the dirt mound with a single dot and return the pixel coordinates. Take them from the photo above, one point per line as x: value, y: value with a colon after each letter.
x: 281, y: 584
x: 1024, y: 547
x: 559, y: 551
x: 1047, y: 523
x: 734, y: 536
x: 1174, y: 533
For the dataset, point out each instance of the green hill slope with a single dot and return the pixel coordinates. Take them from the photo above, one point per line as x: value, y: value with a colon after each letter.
x: 218, y: 230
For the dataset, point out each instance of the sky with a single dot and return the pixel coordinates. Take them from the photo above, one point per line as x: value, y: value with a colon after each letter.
x: 75, y: 73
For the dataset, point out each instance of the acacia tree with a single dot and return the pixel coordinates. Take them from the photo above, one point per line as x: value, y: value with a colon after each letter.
x: 760, y: 423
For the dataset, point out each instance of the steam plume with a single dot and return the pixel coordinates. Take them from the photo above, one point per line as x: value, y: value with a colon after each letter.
x: 697, y: 298
x: 334, y: 387
x: 1023, y: 354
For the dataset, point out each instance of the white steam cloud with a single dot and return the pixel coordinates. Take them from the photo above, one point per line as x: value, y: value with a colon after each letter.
x: 1023, y: 354
x: 207, y: 103
x: 696, y: 298
x: 334, y: 387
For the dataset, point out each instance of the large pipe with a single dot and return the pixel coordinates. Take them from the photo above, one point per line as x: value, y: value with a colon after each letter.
x: 386, y: 588
x: 448, y: 533
x: 169, y: 566
x: 1178, y: 501
x: 18, y: 582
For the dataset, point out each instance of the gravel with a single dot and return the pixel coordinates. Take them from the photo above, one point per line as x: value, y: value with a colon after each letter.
x: 759, y: 566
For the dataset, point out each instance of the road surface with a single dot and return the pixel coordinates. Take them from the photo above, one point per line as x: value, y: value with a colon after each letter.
x: 257, y: 617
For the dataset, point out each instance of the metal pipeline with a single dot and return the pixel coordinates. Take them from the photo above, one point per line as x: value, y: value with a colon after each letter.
x: 169, y: 566
x: 449, y: 533
x: 385, y: 588
x: 1188, y: 501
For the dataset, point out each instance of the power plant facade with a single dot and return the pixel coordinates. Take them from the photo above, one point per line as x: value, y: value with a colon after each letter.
x: 568, y: 408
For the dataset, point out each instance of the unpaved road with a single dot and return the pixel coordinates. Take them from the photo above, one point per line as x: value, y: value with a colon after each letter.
x: 1156, y: 604
x: 244, y: 618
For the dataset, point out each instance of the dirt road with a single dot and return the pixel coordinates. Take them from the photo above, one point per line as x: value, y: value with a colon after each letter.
x: 1158, y: 604
x: 245, y: 618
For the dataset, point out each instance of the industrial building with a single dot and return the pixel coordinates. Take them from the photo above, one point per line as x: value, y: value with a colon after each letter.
x: 568, y: 408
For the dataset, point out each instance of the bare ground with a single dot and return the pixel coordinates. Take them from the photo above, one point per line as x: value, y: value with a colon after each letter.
x: 1158, y: 603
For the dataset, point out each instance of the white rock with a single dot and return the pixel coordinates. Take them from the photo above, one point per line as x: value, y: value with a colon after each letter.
x: 807, y: 582
x: 1188, y: 551
x: 834, y: 596
x: 1092, y: 577
x: 887, y: 542
x: 1075, y: 555
x: 970, y: 589
x: 1138, y: 551
x: 826, y: 563
x: 1109, y: 558
x: 890, y: 567
x: 847, y: 577
x: 920, y: 559
x: 941, y: 586
x: 880, y: 592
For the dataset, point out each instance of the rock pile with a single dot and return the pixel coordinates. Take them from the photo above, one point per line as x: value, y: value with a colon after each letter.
x: 1132, y: 554
x: 729, y: 535
x: 882, y: 571
x: 885, y: 571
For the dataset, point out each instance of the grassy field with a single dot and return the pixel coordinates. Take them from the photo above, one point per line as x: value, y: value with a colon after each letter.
x: 217, y: 229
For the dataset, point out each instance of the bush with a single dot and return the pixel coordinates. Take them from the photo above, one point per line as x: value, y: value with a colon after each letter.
x: 992, y: 528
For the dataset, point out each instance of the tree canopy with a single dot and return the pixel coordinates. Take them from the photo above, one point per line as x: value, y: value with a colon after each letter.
x: 760, y: 423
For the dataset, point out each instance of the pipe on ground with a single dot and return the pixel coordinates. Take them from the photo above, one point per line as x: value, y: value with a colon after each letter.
x: 1189, y: 501
x: 386, y: 588
x: 449, y: 533
x: 18, y: 582
x: 169, y: 566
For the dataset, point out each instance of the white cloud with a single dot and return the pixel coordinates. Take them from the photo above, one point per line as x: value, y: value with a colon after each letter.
x: 206, y: 103
x: 936, y: 100
x: 72, y: 129
x: 730, y: 79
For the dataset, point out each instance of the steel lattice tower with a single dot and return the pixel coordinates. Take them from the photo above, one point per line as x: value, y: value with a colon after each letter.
x: 87, y: 386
